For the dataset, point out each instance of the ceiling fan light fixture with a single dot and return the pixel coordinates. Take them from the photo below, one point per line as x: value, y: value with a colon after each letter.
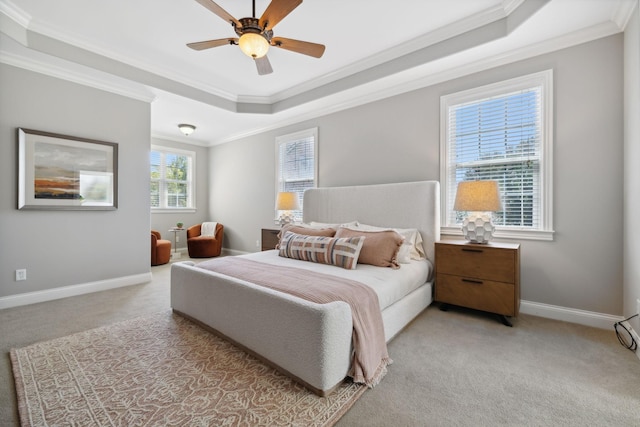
x: 253, y: 45
x: 186, y: 129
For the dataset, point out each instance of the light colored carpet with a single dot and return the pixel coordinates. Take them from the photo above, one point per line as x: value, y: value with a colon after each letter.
x: 162, y: 370
x: 454, y: 368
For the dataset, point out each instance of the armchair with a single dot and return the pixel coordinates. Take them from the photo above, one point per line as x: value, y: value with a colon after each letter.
x: 200, y: 246
x: 160, y: 249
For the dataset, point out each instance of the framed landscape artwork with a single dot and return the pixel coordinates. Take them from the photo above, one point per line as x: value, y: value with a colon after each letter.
x: 66, y: 173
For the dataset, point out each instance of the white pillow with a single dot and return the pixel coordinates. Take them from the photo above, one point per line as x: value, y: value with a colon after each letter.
x: 411, y: 248
x: 208, y: 229
x: 315, y: 224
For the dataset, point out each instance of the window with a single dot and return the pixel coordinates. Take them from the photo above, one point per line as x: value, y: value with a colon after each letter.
x: 297, y: 163
x: 501, y: 132
x: 172, y: 184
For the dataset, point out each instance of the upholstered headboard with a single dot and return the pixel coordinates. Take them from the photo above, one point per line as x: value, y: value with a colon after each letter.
x: 401, y: 205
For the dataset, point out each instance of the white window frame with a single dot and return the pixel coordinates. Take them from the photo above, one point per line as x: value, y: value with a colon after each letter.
x: 191, y: 182
x: 542, y: 79
x: 290, y: 138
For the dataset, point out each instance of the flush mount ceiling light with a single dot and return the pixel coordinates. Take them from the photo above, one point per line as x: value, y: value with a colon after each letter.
x: 186, y: 129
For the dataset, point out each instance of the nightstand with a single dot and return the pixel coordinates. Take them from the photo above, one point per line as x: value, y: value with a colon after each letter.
x: 269, y: 238
x: 482, y: 277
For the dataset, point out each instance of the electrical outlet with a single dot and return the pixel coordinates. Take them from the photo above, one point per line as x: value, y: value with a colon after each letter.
x: 257, y: 243
x: 177, y: 239
x: 21, y: 274
x: 638, y: 305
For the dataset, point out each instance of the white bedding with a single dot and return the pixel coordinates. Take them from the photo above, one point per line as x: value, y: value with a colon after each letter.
x: 307, y: 341
x: 389, y: 284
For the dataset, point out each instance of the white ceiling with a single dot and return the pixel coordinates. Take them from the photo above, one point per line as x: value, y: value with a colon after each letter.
x: 374, y: 49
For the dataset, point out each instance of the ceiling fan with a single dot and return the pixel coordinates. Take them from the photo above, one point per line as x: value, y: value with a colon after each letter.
x: 256, y: 35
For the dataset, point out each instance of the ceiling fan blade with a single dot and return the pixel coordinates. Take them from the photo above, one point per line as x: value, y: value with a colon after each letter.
x: 306, y: 48
x: 213, y: 7
x: 212, y: 43
x: 263, y: 65
x: 276, y: 11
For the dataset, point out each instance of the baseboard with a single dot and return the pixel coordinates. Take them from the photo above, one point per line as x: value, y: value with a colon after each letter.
x: 572, y: 315
x: 233, y: 252
x: 73, y: 290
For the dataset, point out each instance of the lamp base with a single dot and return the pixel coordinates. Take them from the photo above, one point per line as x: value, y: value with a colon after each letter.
x: 286, y: 218
x: 478, y: 228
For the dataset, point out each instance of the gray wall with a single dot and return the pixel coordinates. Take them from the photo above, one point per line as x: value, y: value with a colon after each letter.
x: 397, y: 139
x: 62, y: 248
x: 632, y: 171
x: 163, y: 221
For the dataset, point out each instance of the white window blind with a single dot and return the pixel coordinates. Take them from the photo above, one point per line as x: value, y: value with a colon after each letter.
x: 296, y: 163
x: 501, y: 133
x: 171, y: 175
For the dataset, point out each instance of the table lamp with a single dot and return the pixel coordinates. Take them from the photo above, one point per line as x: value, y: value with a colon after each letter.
x: 479, y: 199
x: 286, y: 202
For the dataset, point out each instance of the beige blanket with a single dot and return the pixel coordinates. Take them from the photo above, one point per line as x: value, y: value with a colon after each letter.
x: 370, y: 357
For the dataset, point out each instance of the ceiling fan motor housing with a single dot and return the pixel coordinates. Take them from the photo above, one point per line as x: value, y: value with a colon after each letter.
x: 252, y: 25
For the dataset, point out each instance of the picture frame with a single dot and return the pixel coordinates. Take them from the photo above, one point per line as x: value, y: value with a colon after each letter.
x: 62, y: 172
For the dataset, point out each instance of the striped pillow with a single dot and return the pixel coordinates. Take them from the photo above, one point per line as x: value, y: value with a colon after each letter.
x: 321, y: 249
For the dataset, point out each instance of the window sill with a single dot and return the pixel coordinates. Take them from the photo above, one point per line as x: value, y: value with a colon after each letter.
x: 172, y: 210
x: 543, y: 235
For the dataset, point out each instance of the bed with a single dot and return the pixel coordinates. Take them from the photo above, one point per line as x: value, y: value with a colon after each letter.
x: 313, y: 342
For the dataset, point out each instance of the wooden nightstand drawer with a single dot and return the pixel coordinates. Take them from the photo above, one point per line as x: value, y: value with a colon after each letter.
x: 486, y: 295
x: 476, y: 261
x: 269, y: 238
x: 483, y: 277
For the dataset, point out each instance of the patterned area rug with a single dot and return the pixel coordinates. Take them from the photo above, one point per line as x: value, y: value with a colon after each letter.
x: 161, y: 370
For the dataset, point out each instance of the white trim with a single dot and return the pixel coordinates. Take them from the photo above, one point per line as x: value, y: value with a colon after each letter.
x: 172, y: 210
x: 72, y: 290
x: 90, y: 79
x: 285, y: 139
x: 383, y: 88
x: 233, y: 252
x: 543, y: 79
x: 520, y: 234
x: 191, y: 179
x: 622, y: 14
x: 572, y: 315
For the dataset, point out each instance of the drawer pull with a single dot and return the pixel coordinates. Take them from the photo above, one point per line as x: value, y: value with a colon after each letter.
x: 477, y: 282
x: 472, y: 250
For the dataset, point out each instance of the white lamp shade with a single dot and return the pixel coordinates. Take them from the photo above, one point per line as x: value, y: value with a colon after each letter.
x: 478, y: 196
x: 287, y: 201
x: 253, y: 45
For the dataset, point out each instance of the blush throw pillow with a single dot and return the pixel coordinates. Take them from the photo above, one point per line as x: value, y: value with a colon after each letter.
x: 305, y: 230
x: 341, y: 252
x: 411, y: 249
x: 380, y: 247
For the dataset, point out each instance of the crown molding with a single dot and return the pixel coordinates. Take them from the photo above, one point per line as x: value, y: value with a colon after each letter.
x: 623, y: 12
x: 15, y: 13
x: 93, y: 47
x: 374, y: 78
x: 381, y: 89
x: 86, y: 79
x: 457, y: 28
x: 424, y: 41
